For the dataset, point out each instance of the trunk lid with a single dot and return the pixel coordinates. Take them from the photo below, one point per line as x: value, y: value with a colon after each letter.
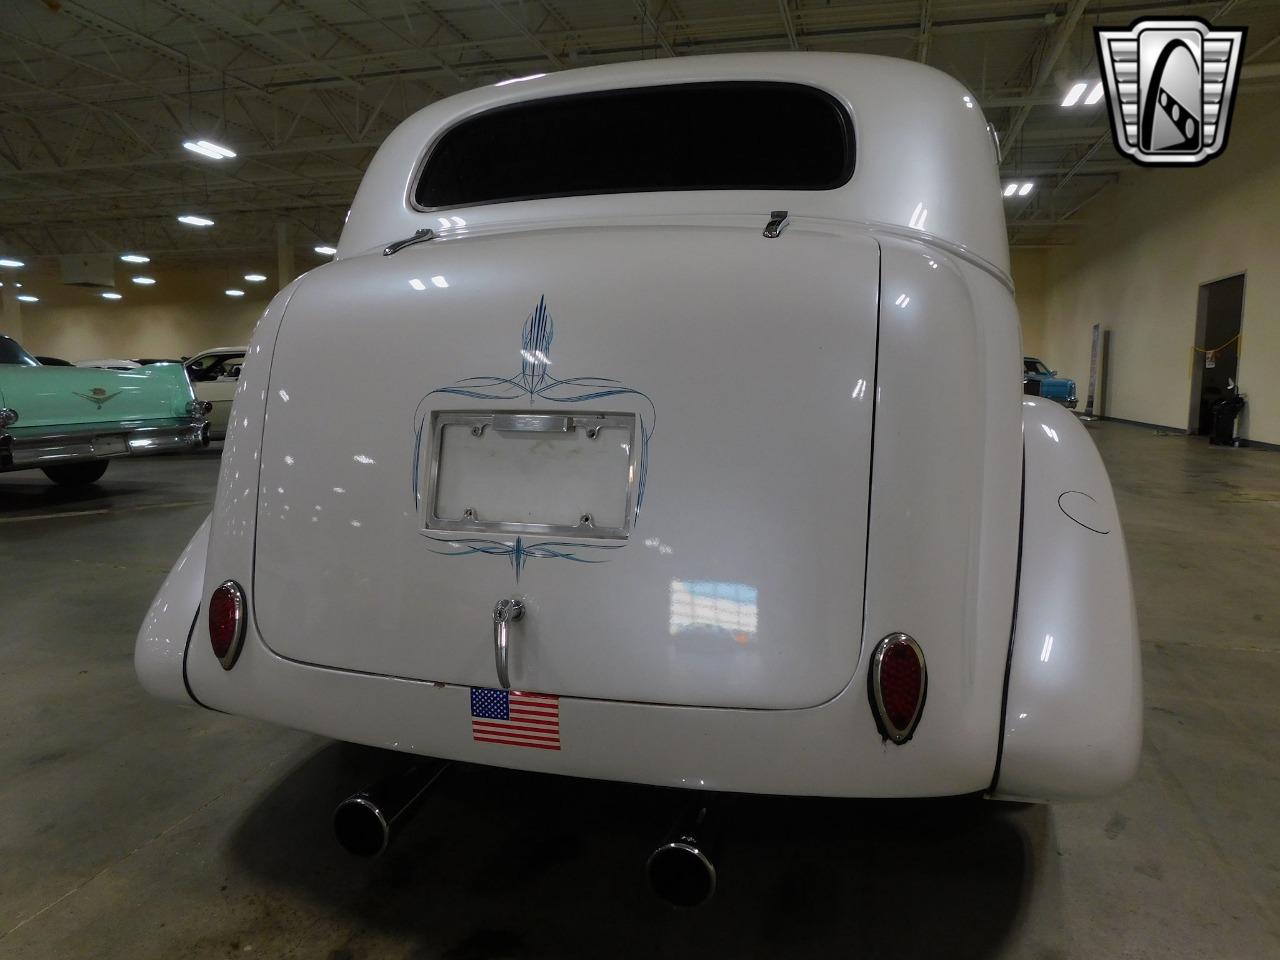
x: 730, y: 378
x: 60, y: 396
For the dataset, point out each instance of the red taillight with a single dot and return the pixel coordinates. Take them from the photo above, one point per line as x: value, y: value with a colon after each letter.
x: 226, y: 622
x: 898, y: 682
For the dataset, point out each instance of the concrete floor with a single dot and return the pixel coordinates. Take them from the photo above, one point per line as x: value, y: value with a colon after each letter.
x: 129, y: 828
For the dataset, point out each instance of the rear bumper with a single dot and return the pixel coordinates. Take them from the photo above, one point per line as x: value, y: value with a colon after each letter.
x: 22, y: 448
x: 830, y: 750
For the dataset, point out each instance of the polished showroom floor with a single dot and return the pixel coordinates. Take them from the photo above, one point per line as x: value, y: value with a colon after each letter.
x: 133, y: 829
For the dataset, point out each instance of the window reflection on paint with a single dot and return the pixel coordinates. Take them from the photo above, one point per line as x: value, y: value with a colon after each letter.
x: 714, y: 605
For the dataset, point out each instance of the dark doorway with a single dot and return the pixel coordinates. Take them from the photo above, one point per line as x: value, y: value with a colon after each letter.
x: 1217, y: 356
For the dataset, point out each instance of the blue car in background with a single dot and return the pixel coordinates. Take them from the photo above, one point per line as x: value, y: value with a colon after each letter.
x: 1050, y: 385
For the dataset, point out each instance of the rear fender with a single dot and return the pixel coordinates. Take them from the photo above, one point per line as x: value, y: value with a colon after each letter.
x: 1073, y: 714
x: 161, y: 646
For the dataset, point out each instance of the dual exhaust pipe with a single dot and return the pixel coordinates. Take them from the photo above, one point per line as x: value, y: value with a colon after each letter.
x: 680, y: 869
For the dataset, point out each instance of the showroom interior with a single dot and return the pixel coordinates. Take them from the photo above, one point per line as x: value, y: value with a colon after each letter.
x: 167, y: 167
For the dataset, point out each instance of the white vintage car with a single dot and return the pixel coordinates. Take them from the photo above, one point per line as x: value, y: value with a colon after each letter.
x: 214, y: 374
x: 690, y: 449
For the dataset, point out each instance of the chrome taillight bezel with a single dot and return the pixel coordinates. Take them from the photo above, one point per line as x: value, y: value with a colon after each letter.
x: 888, y: 729
x: 239, y: 612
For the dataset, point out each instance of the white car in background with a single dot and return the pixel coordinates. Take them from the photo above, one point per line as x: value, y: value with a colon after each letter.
x: 108, y: 364
x: 214, y: 375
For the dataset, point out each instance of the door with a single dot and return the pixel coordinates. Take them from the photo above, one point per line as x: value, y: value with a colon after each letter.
x: 1217, y: 353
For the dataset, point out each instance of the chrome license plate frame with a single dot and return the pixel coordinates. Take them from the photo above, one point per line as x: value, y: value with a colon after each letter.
x: 527, y: 424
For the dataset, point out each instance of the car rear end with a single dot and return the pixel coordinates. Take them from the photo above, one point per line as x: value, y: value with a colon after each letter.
x: 748, y: 477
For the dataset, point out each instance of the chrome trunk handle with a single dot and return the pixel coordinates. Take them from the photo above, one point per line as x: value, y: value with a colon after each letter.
x: 504, y: 612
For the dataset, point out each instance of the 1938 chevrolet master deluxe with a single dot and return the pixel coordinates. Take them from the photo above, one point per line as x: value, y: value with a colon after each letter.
x: 692, y: 451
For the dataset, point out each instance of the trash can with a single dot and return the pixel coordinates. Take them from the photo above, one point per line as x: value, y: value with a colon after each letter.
x: 1225, y: 412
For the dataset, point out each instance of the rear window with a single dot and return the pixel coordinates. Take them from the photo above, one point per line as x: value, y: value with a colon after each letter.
x: 704, y: 136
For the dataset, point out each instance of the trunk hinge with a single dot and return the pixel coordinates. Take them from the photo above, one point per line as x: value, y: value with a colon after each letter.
x: 426, y: 233
x: 777, y: 223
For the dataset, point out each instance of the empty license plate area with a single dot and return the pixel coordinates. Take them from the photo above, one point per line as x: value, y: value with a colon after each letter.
x: 110, y: 445
x: 513, y: 472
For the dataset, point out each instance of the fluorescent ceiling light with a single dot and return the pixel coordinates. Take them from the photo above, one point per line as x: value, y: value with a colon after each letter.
x: 1025, y: 189
x: 327, y: 251
x: 1074, y: 94
x: 192, y: 220
x: 28, y: 298
x: 6, y: 262
x: 234, y: 292
x: 255, y: 277
x: 109, y: 295
x: 417, y: 284
x: 134, y: 258
x: 144, y: 281
x: 207, y: 148
x: 1010, y: 189
x: 440, y: 281
x: 1094, y: 95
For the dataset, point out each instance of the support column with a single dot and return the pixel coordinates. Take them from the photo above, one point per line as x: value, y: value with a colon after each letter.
x: 284, y: 254
x: 11, y: 314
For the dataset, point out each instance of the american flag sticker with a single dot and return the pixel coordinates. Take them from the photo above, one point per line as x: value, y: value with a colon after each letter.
x: 515, y: 718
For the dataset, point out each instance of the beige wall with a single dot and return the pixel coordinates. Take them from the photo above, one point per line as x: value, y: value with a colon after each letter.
x: 186, y: 311
x: 1137, y: 267
x: 1030, y: 279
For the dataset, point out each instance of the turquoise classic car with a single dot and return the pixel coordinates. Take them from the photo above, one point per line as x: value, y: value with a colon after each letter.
x: 70, y: 421
x: 1046, y: 383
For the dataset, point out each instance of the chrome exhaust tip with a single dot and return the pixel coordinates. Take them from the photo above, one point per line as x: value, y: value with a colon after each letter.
x: 681, y: 870
x: 681, y: 873
x: 366, y: 822
x: 361, y: 827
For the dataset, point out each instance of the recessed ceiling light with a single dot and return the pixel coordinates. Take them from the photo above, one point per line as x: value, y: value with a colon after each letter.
x: 1094, y: 95
x: 327, y: 251
x: 28, y: 298
x: 144, y: 281
x: 193, y: 220
x: 234, y: 292
x: 1010, y: 189
x: 417, y: 284
x: 255, y: 277
x: 109, y: 295
x: 1025, y: 189
x: 1074, y: 94
x: 440, y: 281
x: 6, y: 262
x: 134, y: 258
x: 207, y: 148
